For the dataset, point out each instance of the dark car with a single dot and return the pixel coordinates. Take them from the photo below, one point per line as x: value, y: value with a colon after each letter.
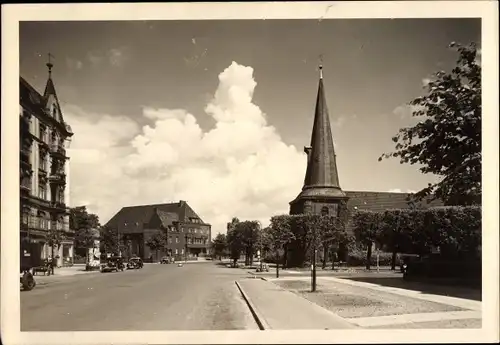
x: 135, y: 263
x: 27, y: 281
x: 114, y: 263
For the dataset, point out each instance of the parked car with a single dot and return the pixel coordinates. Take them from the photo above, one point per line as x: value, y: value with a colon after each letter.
x: 114, y: 263
x: 166, y: 260
x: 135, y: 263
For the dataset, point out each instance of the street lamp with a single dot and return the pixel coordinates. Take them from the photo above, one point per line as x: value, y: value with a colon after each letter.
x: 186, y: 249
x: 260, y: 245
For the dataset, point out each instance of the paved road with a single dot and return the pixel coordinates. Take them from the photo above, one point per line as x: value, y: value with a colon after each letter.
x: 199, y: 296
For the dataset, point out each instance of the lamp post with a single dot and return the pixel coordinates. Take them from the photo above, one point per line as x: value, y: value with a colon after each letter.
x: 186, y: 249
x: 313, y: 268
x: 260, y: 244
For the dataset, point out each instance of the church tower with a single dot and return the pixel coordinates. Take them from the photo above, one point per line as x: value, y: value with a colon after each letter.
x: 321, y: 193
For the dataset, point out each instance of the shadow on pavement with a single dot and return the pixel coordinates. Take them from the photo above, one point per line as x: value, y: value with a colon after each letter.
x: 442, y: 288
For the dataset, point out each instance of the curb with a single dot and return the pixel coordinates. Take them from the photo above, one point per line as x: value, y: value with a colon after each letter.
x: 256, y: 315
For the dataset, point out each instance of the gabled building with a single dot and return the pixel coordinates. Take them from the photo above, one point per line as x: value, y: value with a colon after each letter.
x: 44, y: 174
x: 188, y: 235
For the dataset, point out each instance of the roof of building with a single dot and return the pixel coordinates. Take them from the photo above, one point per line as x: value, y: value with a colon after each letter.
x: 167, y: 218
x: 133, y: 218
x: 381, y: 201
x: 31, y: 99
x: 322, y: 178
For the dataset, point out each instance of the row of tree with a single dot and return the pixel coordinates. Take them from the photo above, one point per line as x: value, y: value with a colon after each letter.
x: 455, y: 231
x: 300, y: 233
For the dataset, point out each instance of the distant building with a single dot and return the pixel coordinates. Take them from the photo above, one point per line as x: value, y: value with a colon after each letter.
x: 187, y: 235
x: 44, y: 172
x: 321, y: 193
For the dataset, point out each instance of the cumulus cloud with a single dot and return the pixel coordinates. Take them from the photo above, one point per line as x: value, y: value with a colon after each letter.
x: 241, y: 167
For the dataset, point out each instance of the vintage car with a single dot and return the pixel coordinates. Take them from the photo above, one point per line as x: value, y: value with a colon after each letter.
x: 27, y: 280
x: 135, y: 263
x: 114, y: 263
x: 166, y: 260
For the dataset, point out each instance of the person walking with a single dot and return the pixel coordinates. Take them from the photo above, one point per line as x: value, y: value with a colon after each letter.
x: 53, y: 264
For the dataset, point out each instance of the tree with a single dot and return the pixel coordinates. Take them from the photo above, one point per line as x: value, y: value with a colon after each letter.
x: 220, y: 245
x: 447, y: 141
x: 157, y: 242
x: 110, y: 239
x: 249, y: 231
x: 234, y: 240
x: 280, y: 233
x: 84, y: 224
x: 54, y: 239
x: 366, y: 228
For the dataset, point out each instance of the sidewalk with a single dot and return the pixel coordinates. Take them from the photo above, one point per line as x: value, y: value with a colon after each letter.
x: 277, y: 308
x: 66, y: 272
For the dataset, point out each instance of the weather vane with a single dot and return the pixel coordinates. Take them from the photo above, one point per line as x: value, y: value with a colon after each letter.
x: 321, y: 66
x: 49, y: 64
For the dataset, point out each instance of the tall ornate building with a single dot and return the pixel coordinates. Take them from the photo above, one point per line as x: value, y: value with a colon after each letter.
x: 321, y: 193
x: 44, y: 172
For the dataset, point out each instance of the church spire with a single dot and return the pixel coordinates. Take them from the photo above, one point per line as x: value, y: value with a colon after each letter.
x: 322, y: 166
x: 49, y: 87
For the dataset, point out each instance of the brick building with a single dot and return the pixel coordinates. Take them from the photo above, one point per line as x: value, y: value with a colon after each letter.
x: 44, y: 173
x: 188, y: 236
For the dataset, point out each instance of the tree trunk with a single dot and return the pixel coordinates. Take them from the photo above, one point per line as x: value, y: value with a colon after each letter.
x: 285, y: 257
x: 393, y: 260
x: 369, y: 256
x: 333, y: 261
x: 325, y: 256
x: 277, y: 264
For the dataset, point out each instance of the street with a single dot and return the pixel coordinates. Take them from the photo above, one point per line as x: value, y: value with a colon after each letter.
x: 200, y: 296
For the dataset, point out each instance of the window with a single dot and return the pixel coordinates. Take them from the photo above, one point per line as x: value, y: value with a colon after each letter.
x: 42, y: 163
x: 42, y: 192
x: 182, y: 251
x: 324, y: 211
x: 176, y: 239
x: 42, y: 132
x: 169, y: 239
x: 26, y: 217
x: 176, y: 251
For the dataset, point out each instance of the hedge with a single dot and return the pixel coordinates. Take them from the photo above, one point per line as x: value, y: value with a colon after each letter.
x: 456, y: 230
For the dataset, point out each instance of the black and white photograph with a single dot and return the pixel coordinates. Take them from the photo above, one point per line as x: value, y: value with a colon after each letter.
x: 249, y: 171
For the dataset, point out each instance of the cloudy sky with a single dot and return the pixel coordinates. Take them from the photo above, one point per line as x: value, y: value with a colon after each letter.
x: 217, y: 112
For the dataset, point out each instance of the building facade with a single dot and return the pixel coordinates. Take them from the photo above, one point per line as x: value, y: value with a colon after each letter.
x: 44, y: 172
x: 188, y: 237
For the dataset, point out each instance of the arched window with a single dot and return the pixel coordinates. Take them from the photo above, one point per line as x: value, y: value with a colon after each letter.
x: 325, y: 211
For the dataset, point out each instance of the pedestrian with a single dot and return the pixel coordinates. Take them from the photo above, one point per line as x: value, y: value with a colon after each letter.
x: 53, y: 264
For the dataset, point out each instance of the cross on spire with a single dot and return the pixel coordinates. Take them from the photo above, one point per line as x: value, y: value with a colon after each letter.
x: 321, y: 66
x: 50, y: 64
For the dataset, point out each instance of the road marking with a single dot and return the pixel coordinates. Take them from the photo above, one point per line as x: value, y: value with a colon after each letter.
x: 412, y: 318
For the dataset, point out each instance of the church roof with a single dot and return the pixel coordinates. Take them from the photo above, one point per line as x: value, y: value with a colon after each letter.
x: 132, y: 219
x: 381, y: 201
